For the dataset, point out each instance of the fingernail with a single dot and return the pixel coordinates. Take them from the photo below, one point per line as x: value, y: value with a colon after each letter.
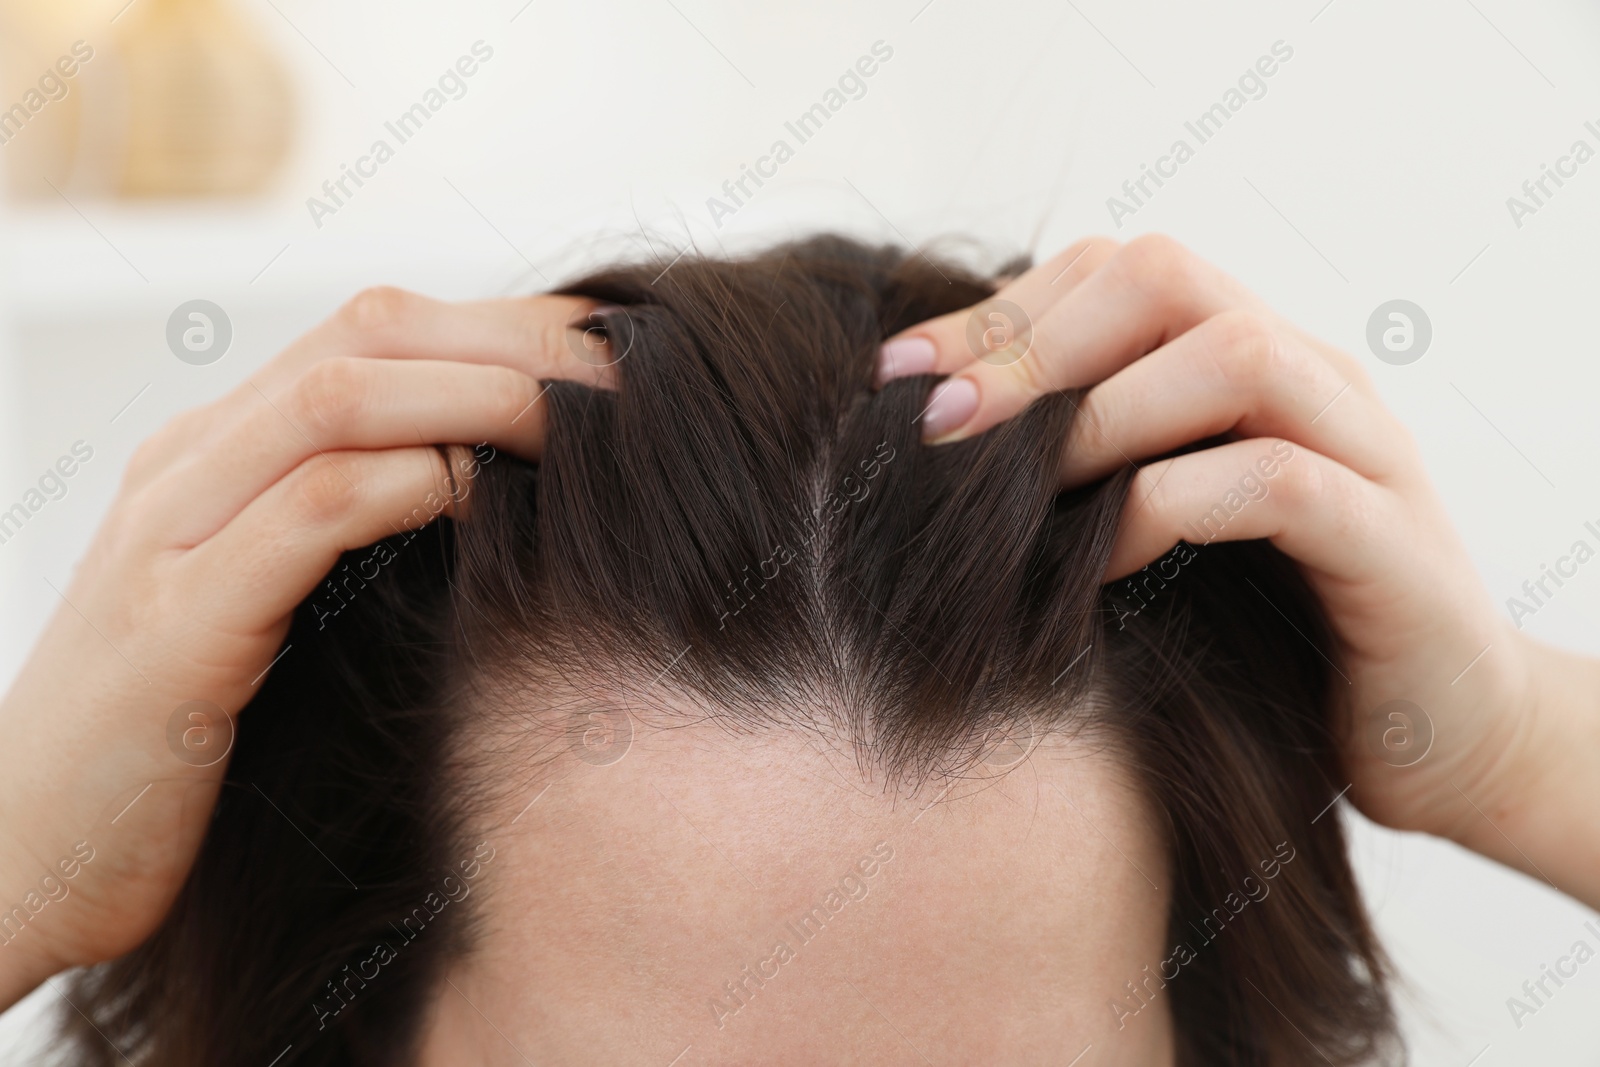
x: 905, y: 356
x: 950, y: 405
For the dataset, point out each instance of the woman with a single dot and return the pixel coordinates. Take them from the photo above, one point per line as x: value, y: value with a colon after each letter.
x: 745, y: 727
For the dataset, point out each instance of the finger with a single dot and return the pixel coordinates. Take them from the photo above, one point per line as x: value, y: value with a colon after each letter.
x: 543, y: 337
x: 339, y: 404
x: 161, y: 449
x: 272, y: 555
x: 1317, y: 511
x: 946, y: 344
x: 1149, y: 292
x: 1235, y: 372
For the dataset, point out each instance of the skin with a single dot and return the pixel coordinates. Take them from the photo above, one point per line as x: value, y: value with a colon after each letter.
x: 226, y: 519
x: 1008, y: 915
x: 232, y: 515
x: 1172, y: 350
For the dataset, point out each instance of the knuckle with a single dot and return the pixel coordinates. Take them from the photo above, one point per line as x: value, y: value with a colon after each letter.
x: 1246, y: 349
x: 322, y: 491
x: 1030, y: 374
x: 158, y: 449
x: 1087, y: 255
x: 1154, y: 255
x: 377, y: 309
x: 1405, y: 448
x: 1302, y: 480
x: 133, y: 518
x: 1099, y: 248
x: 1315, y: 493
x: 1161, y: 267
x: 513, y: 392
x: 146, y: 458
x: 1353, y: 372
x: 330, y: 395
x: 1146, y: 493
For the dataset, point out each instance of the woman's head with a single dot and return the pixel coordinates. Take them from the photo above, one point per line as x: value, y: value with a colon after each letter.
x: 740, y: 648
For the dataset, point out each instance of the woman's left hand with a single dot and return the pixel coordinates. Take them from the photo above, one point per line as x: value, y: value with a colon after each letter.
x: 1173, y: 351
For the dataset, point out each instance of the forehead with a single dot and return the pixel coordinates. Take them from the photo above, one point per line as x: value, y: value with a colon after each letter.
x: 727, y: 892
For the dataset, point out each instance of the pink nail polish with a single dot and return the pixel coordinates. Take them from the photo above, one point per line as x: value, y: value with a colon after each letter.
x: 951, y: 404
x: 906, y: 356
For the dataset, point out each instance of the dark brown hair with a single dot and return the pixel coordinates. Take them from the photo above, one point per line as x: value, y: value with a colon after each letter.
x: 745, y: 495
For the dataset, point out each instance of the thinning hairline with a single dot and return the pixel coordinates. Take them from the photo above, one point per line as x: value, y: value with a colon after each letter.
x: 528, y: 715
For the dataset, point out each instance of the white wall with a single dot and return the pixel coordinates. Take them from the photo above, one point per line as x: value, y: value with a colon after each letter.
x: 1376, y: 166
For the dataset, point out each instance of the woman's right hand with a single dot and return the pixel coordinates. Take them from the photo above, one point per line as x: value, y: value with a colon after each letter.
x: 1455, y: 722
x: 226, y: 519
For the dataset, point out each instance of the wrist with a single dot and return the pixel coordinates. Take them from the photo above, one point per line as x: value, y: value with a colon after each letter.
x: 28, y: 930
x: 26, y: 954
x: 1534, y: 812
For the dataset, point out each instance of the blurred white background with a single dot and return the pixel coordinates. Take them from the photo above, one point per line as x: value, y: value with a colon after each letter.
x: 1376, y: 166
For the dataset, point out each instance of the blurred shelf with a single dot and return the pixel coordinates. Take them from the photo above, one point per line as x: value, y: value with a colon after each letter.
x: 107, y: 258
